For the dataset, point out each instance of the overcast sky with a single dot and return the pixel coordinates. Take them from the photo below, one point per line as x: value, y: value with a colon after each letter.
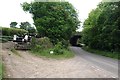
x: 10, y: 10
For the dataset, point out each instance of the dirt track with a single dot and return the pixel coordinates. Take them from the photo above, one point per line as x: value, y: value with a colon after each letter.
x: 30, y: 66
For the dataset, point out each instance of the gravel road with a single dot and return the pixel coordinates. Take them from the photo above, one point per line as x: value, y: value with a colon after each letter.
x: 105, y: 63
x: 30, y: 66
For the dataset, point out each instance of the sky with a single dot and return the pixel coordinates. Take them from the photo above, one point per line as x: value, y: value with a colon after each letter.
x: 10, y: 10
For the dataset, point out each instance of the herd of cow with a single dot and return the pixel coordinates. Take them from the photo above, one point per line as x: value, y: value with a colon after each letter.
x: 22, y: 42
x: 21, y: 39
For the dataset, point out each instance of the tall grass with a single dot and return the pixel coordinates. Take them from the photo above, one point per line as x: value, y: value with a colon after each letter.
x: 115, y: 55
x: 46, y: 53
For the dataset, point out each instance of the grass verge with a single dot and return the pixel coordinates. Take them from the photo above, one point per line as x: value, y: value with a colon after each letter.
x: 1, y: 71
x: 115, y: 55
x: 46, y: 53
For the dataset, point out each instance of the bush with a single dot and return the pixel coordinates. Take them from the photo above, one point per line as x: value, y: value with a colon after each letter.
x: 44, y: 42
x: 58, y: 49
x: 65, y: 43
x: 41, y: 43
x: 114, y: 55
x: 43, y: 47
x: 37, y: 48
x: 33, y: 42
x: 12, y: 31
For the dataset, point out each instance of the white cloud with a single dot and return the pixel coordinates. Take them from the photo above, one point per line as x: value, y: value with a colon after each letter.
x: 84, y: 7
x: 12, y: 11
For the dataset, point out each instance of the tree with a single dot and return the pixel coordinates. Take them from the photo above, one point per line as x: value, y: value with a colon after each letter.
x: 56, y: 20
x: 13, y: 24
x: 31, y: 30
x: 25, y: 25
x: 102, y: 29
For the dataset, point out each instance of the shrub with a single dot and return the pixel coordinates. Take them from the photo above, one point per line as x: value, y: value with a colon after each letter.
x: 44, y: 42
x: 65, y: 43
x: 58, y: 49
x: 43, y: 47
x: 38, y: 48
x: 33, y: 42
x: 39, y: 44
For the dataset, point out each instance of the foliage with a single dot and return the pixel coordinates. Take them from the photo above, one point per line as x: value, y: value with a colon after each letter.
x: 31, y: 30
x: 12, y: 31
x: 65, y: 43
x: 46, y: 53
x: 43, y: 47
x: 115, y: 55
x: 41, y: 43
x: 56, y: 20
x: 25, y: 25
x: 58, y: 49
x: 33, y: 43
x: 13, y: 24
x: 7, y: 33
x: 44, y: 42
x: 102, y: 27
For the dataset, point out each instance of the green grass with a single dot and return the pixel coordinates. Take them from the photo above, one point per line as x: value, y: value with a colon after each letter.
x: 1, y: 68
x: 15, y: 52
x: 115, y: 55
x: 46, y: 53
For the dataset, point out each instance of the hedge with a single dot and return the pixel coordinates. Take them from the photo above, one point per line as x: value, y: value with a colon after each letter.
x: 12, y: 31
x: 6, y: 38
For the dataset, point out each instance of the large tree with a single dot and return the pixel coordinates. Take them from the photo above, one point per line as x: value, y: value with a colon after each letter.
x: 102, y: 27
x: 25, y: 25
x: 31, y: 30
x: 56, y: 20
x: 13, y: 24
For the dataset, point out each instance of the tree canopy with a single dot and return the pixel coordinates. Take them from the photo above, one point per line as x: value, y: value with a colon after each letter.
x: 102, y: 27
x: 13, y: 24
x: 56, y: 20
x: 25, y: 25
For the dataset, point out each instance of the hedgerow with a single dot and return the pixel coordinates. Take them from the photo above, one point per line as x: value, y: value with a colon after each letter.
x: 12, y: 31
